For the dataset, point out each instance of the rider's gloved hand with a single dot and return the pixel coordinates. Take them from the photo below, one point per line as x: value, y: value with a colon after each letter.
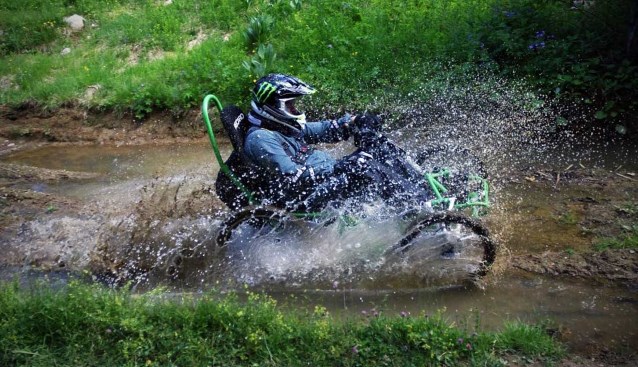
x: 366, y: 130
x: 344, y: 126
x: 345, y: 120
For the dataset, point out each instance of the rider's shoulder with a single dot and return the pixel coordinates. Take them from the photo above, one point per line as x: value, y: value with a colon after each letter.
x: 261, y: 134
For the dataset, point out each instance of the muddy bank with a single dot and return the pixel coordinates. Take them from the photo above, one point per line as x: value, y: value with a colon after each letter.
x: 28, y: 127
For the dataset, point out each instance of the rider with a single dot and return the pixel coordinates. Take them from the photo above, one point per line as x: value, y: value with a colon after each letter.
x: 277, y: 141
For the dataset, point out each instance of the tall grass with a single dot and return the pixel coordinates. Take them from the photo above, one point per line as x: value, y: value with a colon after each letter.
x: 82, y: 325
x: 354, y: 51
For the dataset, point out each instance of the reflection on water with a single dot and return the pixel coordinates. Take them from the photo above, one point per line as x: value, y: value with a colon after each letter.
x: 123, y: 168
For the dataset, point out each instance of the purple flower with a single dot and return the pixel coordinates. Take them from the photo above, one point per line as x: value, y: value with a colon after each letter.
x: 509, y: 14
x: 364, y: 313
x: 459, y: 341
x: 354, y: 350
x: 535, y: 46
x: 540, y: 34
x: 405, y: 314
x: 468, y: 346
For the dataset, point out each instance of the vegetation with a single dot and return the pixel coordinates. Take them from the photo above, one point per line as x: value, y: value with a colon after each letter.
x: 93, y: 326
x: 147, y: 55
x: 627, y: 240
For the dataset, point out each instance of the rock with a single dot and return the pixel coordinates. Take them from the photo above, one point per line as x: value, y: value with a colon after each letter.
x: 76, y: 22
x: 65, y: 51
x: 91, y: 90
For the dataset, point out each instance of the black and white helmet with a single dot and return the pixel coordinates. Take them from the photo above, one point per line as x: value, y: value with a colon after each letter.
x: 274, y: 99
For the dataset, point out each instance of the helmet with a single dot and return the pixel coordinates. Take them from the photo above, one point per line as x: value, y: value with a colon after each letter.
x: 274, y: 100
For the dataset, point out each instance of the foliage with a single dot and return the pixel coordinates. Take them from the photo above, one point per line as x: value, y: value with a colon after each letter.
x: 258, y: 30
x: 262, y: 62
x: 356, y: 52
x: 627, y: 240
x: 89, y: 325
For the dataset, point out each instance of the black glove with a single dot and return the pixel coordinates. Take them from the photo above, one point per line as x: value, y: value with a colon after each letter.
x: 342, y: 126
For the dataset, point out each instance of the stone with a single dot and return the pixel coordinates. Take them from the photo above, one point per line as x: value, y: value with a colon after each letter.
x: 65, y: 51
x: 76, y: 22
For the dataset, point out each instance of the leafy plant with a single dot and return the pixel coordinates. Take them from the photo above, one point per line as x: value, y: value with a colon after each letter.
x: 262, y: 62
x: 258, y: 30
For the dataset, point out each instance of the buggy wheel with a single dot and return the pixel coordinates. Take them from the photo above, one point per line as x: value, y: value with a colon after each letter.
x: 454, y: 240
x: 256, y: 221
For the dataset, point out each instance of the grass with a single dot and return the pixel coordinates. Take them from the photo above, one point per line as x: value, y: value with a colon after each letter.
x: 149, y: 56
x: 89, y: 325
x: 627, y: 240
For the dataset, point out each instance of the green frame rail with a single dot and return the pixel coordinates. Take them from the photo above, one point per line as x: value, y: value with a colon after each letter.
x: 472, y: 202
x: 213, y: 142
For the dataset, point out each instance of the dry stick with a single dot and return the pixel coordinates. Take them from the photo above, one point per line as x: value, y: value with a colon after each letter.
x: 627, y: 177
x: 10, y: 170
x: 617, y: 168
x: 557, y: 179
x: 568, y: 167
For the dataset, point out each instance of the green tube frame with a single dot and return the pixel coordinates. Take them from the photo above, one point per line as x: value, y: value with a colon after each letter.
x: 213, y: 142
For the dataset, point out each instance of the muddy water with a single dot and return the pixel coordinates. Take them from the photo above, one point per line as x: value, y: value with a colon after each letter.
x: 587, y: 313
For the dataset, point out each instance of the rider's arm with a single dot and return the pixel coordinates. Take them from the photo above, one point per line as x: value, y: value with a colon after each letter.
x: 328, y: 131
x: 266, y: 150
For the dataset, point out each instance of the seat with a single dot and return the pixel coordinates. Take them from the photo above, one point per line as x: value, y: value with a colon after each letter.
x: 235, y: 123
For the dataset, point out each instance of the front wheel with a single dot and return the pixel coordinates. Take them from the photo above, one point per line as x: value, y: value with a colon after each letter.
x: 443, y: 246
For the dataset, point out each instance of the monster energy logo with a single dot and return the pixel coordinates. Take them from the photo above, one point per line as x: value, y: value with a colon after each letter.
x: 265, y: 90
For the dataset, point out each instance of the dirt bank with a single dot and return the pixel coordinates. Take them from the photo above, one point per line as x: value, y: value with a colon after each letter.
x: 26, y: 127
x: 580, y: 222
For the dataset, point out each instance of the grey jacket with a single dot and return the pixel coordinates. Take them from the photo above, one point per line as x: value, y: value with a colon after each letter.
x: 290, y: 156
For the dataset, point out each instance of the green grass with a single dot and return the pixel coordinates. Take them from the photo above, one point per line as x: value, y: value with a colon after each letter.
x: 627, y: 240
x: 86, y: 325
x: 358, y: 52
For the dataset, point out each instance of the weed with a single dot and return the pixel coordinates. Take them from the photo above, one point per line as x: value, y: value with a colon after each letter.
x: 258, y: 31
x: 568, y: 218
x: 627, y: 240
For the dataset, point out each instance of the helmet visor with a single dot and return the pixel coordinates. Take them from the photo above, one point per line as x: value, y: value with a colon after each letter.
x: 288, y: 105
